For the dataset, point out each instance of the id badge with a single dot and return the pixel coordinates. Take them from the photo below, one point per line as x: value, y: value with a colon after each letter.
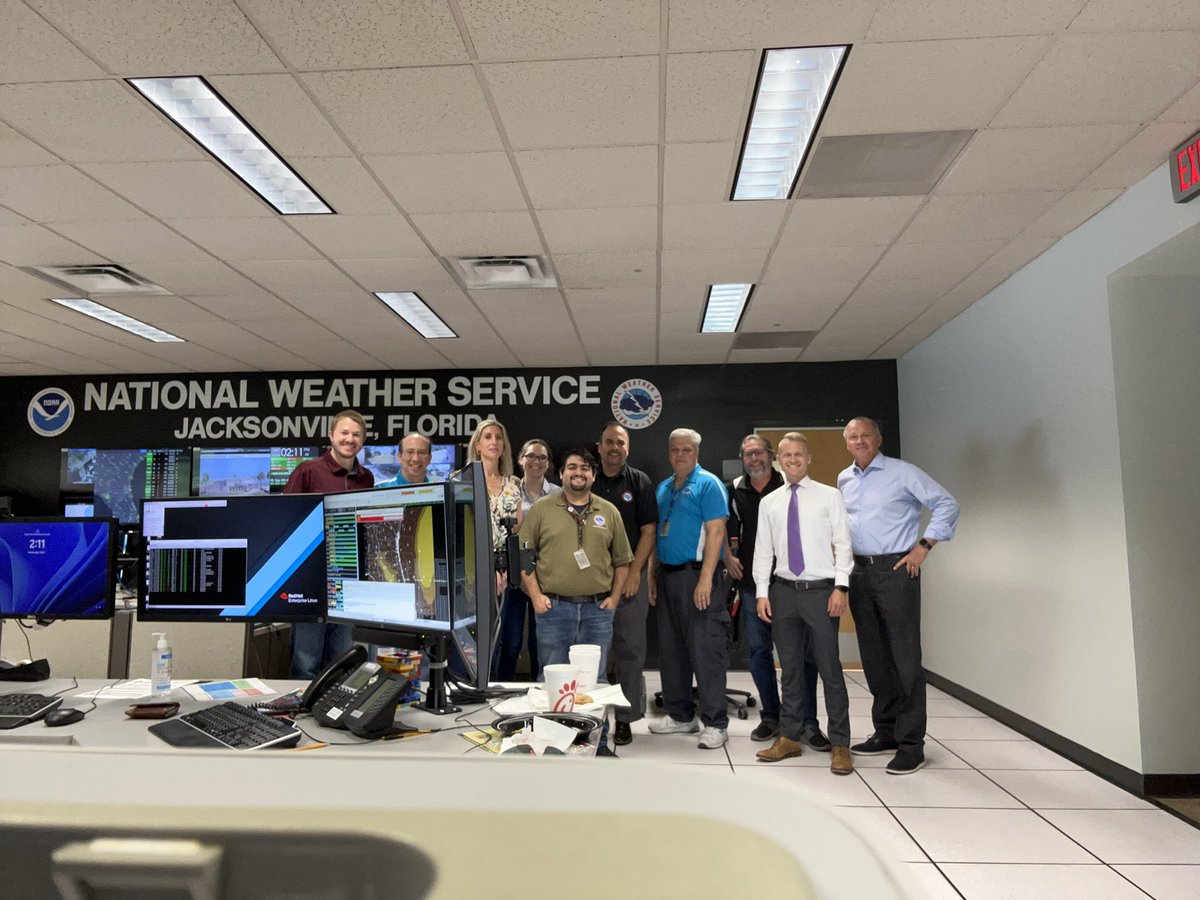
x: 581, y: 559
x: 666, y: 529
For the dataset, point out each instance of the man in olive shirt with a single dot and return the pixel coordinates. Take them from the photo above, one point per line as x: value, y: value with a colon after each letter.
x: 583, y: 560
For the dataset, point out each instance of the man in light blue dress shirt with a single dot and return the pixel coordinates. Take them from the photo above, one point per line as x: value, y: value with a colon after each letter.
x: 884, y: 500
x: 414, y: 455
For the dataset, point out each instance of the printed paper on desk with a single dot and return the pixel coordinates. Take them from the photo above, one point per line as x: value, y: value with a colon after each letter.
x: 132, y: 689
x: 229, y: 690
x: 537, y: 701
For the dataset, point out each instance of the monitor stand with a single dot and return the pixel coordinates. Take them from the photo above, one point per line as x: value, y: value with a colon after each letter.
x: 437, y: 700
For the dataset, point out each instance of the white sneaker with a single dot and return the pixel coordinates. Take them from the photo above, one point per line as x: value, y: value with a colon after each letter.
x: 713, y: 738
x: 667, y: 725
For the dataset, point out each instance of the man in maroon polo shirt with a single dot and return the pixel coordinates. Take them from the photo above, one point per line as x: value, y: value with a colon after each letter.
x: 314, y: 645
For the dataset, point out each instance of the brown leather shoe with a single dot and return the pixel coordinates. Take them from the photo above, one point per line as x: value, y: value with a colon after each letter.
x: 841, y: 763
x: 781, y: 749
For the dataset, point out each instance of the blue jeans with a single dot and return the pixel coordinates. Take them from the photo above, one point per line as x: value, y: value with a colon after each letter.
x: 516, y: 610
x: 760, y: 660
x: 315, y: 646
x: 564, y: 624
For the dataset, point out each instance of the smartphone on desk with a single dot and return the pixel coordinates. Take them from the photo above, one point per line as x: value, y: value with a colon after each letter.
x: 355, y: 694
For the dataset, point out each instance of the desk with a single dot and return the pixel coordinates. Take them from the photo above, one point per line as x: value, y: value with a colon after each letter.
x: 652, y: 830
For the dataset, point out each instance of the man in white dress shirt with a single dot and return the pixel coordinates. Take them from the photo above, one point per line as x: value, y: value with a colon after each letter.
x: 802, y: 564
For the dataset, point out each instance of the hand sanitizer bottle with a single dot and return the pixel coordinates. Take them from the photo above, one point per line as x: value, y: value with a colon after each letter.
x: 160, y: 667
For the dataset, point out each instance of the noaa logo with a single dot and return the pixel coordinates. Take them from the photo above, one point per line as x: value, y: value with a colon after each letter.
x: 598, y: 521
x: 627, y: 496
x: 51, y: 412
x: 636, y: 403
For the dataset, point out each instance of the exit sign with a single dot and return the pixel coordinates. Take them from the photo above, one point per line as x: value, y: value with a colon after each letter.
x: 1184, y: 164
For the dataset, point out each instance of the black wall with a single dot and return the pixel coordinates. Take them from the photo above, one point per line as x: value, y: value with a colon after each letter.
x: 723, y: 403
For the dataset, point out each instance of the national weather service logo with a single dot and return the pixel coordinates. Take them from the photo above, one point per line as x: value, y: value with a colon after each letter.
x: 51, y: 412
x: 636, y: 403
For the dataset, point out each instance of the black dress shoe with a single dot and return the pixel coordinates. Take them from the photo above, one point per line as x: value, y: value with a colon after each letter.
x: 816, y: 739
x: 906, y: 762
x: 765, y: 730
x: 874, y: 746
x: 622, y: 734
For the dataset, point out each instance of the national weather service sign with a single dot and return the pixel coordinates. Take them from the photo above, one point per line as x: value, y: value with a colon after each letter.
x: 636, y: 403
x: 51, y: 412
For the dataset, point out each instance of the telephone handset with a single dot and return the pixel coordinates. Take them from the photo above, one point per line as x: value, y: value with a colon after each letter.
x: 355, y: 694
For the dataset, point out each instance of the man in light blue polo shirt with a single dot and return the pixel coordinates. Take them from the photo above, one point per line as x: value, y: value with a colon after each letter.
x: 884, y: 500
x: 413, y: 454
x: 689, y: 594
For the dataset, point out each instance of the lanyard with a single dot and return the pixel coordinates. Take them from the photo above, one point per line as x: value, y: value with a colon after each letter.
x: 580, y: 519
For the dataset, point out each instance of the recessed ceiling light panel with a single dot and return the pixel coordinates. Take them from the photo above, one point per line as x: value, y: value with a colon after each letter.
x: 195, y: 107
x: 119, y: 320
x: 723, y: 311
x: 413, y: 310
x: 794, y: 86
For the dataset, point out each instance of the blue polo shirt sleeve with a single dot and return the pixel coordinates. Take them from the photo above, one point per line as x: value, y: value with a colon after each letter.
x: 714, y: 501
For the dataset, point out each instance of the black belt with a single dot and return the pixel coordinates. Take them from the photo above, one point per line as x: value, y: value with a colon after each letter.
x: 805, y: 585
x: 667, y: 567
x: 886, y: 558
x: 582, y: 598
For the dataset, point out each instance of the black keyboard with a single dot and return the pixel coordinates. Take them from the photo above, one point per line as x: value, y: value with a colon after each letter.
x: 229, y: 725
x: 19, y: 709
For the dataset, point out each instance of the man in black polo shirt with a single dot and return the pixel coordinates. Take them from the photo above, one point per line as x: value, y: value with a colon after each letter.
x: 745, y: 493
x: 631, y: 491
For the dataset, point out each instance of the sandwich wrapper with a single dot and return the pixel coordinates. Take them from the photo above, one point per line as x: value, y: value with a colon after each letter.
x: 545, y: 736
x: 535, y: 701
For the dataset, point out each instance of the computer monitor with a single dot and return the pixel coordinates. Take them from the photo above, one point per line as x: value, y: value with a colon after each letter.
x: 225, y: 559
x: 77, y: 506
x: 380, y: 460
x: 229, y: 471
x: 77, y: 469
x: 125, y: 477
x: 52, y: 568
x: 442, y: 462
x: 284, y: 460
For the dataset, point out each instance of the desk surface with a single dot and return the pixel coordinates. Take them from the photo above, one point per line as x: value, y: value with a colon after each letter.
x: 658, y: 830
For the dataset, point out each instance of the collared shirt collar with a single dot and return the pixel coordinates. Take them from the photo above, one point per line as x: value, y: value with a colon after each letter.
x: 335, y: 469
x: 805, y: 482
x: 876, y: 463
x: 561, y: 499
x: 773, y: 482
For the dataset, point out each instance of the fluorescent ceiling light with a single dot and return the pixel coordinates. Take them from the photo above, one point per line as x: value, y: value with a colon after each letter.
x: 199, y: 110
x: 412, y: 309
x: 120, y: 320
x: 723, y: 311
x: 793, y: 90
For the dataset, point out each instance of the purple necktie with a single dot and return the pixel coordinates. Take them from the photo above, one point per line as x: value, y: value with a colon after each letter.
x: 795, y: 549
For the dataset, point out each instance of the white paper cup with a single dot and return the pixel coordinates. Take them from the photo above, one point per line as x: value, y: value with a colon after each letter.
x: 587, y: 657
x: 562, y: 680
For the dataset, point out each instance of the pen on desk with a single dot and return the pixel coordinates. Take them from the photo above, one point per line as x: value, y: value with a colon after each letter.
x: 408, y: 734
x: 310, y: 747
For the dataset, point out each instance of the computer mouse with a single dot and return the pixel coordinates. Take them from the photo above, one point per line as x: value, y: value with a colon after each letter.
x: 63, y: 716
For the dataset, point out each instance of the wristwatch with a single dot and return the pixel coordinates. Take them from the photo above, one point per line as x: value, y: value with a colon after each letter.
x: 924, y: 543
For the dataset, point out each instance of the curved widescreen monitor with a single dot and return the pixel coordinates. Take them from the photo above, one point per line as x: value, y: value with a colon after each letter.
x: 53, y: 568
x: 223, y: 559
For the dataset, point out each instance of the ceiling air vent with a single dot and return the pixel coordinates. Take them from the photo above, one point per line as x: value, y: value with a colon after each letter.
x: 96, y: 279
x: 773, y: 340
x: 494, y: 272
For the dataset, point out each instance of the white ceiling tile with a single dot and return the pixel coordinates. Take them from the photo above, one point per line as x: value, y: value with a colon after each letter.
x: 277, y: 107
x: 296, y: 329
x: 258, y: 306
x: 578, y: 102
x: 730, y: 267
x: 358, y: 316
x: 450, y: 182
x: 821, y: 264
x: 794, y: 307
x: 361, y: 237
x: 694, y: 349
x: 346, y: 185
x: 189, y: 278
x: 915, y: 20
x: 8, y: 217
x: 480, y: 234
x: 165, y: 312
x: 616, y: 307
x: 35, y: 51
x: 33, y: 245
x: 597, y: 270
x: 683, y: 301
x: 698, y: 173
x: 600, y: 230
x: 352, y: 34
x: 410, y: 274
x: 333, y: 354
x: 424, y: 110
x: 19, y: 287
x: 1139, y: 157
x: 848, y: 221
x: 928, y: 85
x: 1016, y: 254
x: 611, y: 354
x: 913, y: 294
x: 723, y: 225
x: 188, y: 190
x: 708, y: 94
x: 397, y: 353
x: 297, y: 277
x: 1185, y: 109
x: 467, y: 354
x: 1142, y: 15
x: 1010, y: 160
x: 1085, y: 79
x: 541, y: 29
x: 139, y: 37
x: 590, y: 178
x: 1071, y: 211
x: 62, y: 194
x: 977, y: 217
x: 720, y: 24
x: 93, y: 121
x: 18, y: 150
x: 952, y: 261
x: 978, y: 284
x: 144, y: 239
x: 325, y: 307
x: 237, y: 239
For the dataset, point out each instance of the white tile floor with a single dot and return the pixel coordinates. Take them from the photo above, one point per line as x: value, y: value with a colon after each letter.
x: 993, y: 815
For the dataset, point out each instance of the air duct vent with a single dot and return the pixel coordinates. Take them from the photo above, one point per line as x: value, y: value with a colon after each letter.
x: 773, y: 340
x: 96, y: 279
x: 495, y: 272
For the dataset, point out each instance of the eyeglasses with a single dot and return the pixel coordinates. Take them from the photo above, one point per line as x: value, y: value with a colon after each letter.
x: 415, y: 453
x: 754, y: 453
x: 536, y: 457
